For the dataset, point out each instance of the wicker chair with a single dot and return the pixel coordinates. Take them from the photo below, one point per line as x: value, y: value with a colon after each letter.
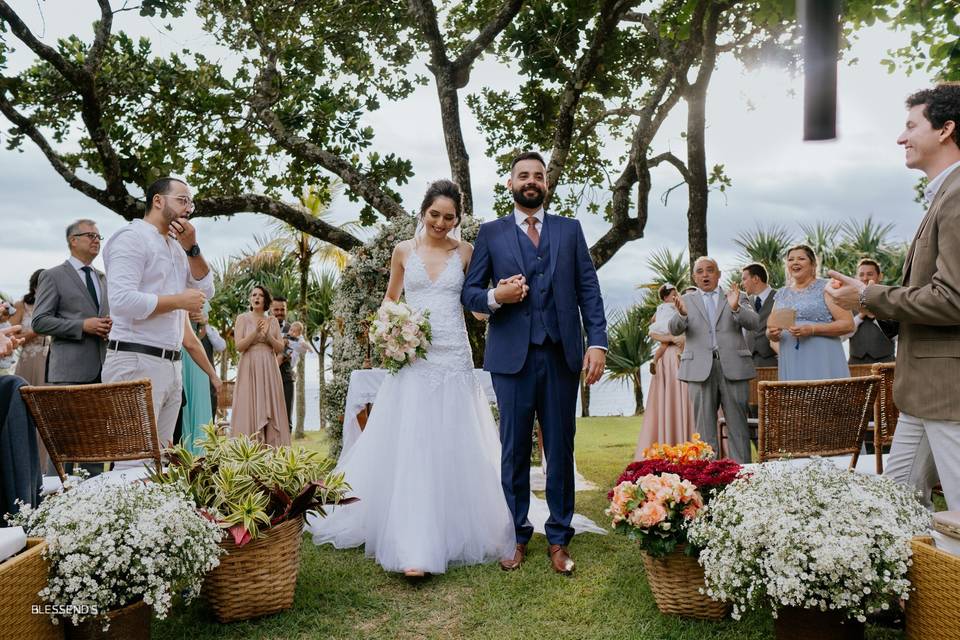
x: 95, y: 422
x: 885, y: 413
x: 860, y: 370
x: 763, y: 373
x: 814, y: 417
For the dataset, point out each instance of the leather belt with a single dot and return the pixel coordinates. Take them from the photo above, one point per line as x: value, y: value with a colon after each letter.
x: 145, y: 349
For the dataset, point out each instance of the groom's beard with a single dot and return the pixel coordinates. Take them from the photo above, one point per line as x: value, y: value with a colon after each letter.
x: 532, y: 202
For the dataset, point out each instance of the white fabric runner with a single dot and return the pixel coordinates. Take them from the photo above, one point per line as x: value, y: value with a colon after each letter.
x: 12, y: 540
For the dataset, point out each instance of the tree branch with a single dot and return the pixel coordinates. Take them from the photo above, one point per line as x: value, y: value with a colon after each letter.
x: 505, y: 15
x: 668, y: 156
x: 101, y: 38
x: 425, y: 15
x: 46, y: 52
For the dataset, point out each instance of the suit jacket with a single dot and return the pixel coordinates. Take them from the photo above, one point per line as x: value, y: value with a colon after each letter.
x: 63, y: 303
x: 736, y: 359
x: 874, y: 340
x: 927, y: 305
x: 20, y: 477
x: 576, y: 292
x: 757, y: 341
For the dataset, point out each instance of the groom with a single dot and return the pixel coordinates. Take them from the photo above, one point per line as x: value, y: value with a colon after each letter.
x: 546, y: 284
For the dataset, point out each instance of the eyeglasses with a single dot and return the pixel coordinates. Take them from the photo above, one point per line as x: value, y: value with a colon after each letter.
x: 186, y: 201
x: 88, y: 234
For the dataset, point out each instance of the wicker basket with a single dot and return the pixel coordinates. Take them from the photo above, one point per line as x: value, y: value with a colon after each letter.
x: 21, y: 578
x: 131, y: 621
x: 796, y: 623
x: 676, y: 581
x: 258, y: 578
x: 935, y: 598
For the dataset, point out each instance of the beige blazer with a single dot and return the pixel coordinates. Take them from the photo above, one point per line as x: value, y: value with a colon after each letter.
x: 927, y: 382
x: 696, y: 361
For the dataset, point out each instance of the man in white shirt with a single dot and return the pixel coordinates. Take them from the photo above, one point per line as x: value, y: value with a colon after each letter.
x: 155, y: 273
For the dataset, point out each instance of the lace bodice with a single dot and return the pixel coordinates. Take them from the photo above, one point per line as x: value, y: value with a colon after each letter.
x: 38, y: 344
x: 449, y: 350
x: 809, y: 302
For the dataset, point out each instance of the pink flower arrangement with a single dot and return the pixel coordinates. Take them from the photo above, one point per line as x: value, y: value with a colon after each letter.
x: 400, y: 334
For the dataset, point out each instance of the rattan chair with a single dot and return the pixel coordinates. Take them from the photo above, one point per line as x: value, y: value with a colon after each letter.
x: 763, y: 373
x: 814, y: 417
x: 885, y: 413
x: 95, y: 422
x: 860, y: 370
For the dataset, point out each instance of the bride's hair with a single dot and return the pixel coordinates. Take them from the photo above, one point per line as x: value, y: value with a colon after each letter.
x: 443, y: 189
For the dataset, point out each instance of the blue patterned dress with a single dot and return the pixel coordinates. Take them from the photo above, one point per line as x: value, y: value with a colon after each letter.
x: 813, y: 357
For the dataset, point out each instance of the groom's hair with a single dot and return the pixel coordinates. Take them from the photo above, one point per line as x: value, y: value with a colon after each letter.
x: 527, y: 155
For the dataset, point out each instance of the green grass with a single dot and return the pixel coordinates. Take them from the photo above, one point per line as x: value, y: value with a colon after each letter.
x: 341, y: 594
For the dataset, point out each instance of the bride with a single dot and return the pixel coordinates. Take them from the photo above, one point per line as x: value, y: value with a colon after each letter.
x: 427, y: 468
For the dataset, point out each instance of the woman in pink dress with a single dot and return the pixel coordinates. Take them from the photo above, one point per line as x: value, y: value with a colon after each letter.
x: 258, y: 407
x: 668, y: 418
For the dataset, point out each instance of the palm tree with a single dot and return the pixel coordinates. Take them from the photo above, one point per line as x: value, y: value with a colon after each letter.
x: 629, y: 349
x: 824, y: 239
x: 666, y: 268
x: 869, y: 239
x: 768, y: 246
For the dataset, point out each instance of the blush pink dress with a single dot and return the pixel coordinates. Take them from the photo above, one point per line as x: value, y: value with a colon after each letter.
x: 668, y: 418
x: 258, y: 407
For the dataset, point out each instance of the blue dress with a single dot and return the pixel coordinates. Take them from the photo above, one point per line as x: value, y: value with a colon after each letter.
x: 197, y: 411
x: 813, y: 357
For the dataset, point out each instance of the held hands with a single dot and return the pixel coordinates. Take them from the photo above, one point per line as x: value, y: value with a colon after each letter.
x: 9, y: 340
x: 733, y: 297
x: 183, y: 232
x: 594, y: 362
x: 99, y: 327
x: 511, y: 290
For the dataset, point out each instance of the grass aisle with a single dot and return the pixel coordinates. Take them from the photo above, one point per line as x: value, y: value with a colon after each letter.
x: 341, y: 594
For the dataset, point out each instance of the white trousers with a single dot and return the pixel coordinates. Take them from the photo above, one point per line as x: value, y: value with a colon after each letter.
x: 166, y: 380
x: 924, y: 451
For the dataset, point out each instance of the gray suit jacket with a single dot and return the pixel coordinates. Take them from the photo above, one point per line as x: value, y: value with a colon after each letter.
x: 757, y: 341
x: 63, y: 303
x: 696, y: 361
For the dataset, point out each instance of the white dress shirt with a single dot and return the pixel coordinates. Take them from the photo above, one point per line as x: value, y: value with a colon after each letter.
x: 764, y: 294
x: 216, y: 341
x: 142, y: 265
x: 76, y: 264
x: 934, y: 185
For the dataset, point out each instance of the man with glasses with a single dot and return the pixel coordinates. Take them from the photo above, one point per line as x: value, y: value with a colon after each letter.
x: 156, y: 276
x: 72, y: 308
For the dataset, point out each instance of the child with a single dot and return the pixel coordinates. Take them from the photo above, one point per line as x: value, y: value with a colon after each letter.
x: 295, y: 344
x: 660, y: 327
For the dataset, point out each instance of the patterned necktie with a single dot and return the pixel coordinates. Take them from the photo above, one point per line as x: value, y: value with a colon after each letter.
x: 90, y: 287
x: 532, y: 232
x: 757, y: 304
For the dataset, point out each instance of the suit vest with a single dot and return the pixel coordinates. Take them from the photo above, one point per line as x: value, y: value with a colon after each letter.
x: 536, y: 265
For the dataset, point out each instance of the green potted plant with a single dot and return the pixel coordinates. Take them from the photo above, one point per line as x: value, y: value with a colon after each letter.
x: 258, y: 494
x: 118, y: 551
x: 822, y: 547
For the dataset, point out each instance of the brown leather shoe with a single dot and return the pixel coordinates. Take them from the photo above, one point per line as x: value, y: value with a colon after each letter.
x: 518, y: 557
x: 560, y: 559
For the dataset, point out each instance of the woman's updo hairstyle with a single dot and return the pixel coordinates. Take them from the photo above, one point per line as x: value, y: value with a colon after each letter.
x: 443, y: 189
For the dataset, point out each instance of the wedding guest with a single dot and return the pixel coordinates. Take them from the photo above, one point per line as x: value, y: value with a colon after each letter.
x: 754, y: 281
x: 155, y: 272
x: 873, y: 340
x: 9, y: 340
x: 258, y: 407
x: 32, y: 363
x: 715, y: 361
x: 198, y: 376
x: 278, y: 309
x: 811, y: 349
x: 927, y: 304
x: 295, y: 345
x: 73, y: 309
x: 668, y: 418
x: 8, y: 361
x: 212, y: 343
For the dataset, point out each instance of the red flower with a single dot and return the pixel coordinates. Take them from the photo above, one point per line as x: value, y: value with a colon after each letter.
x: 704, y: 474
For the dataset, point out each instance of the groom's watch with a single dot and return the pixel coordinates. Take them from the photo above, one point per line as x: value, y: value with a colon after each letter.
x: 194, y: 251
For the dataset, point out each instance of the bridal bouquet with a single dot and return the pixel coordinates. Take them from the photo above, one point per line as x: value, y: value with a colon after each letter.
x: 815, y: 537
x: 400, y: 334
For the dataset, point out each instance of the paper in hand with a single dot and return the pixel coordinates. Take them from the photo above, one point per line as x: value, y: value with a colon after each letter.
x: 782, y: 318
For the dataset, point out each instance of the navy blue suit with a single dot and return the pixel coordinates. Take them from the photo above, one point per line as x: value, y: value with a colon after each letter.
x: 534, y: 354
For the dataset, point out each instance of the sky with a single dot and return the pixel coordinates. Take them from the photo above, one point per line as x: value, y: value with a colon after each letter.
x: 754, y: 128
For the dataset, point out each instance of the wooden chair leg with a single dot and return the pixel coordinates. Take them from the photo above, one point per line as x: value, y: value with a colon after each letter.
x: 878, y: 450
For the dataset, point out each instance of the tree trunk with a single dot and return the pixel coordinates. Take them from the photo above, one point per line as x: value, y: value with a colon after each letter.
x: 697, y: 165
x: 453, y: 135
x: 584, y: 397
x: 301, y: 395
x: 322, y: 358
x: 637, y: 394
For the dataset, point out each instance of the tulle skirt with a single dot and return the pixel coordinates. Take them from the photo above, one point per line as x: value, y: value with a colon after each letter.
x: 427, y: 472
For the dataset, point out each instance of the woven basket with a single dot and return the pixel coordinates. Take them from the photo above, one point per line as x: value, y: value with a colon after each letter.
x: 935, y: 598
x: 676, y: 581
x: 258, y: 578
x: 131, y: 621
x: 796, y: 623
x: 21, y: 578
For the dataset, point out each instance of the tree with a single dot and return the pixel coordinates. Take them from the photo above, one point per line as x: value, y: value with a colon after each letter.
x: 629, y: 349
x: 767, y: 246
x: 323, y: 289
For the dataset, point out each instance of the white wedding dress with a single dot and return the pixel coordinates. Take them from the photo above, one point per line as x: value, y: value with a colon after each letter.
x: 427, y: 467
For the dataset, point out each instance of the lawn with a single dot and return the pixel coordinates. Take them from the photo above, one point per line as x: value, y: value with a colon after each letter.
x: 341, y: 594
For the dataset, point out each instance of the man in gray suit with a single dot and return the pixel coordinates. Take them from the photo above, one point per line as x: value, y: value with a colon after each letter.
x: 72, y: 308
x: 716, y: 363
x: 754, y: 279
x: 873, y: 340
